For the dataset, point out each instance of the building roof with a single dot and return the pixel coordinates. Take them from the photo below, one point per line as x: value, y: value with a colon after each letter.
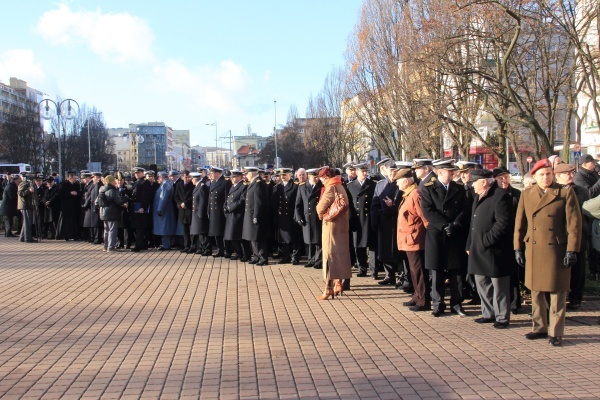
x: 247, y: 150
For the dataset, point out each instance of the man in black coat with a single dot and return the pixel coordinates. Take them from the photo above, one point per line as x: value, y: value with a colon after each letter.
x: 141, y: 200
x: 51, y: 203
x: 9, y: 204
x: 218, y: 190
x: 153, y: 241
x: 423, y: 171
x: 384, y: 218
x: 199, y: 225
x: 446, y: 208
x: 256, y: 216
x: 307, y: 198
x: 234, y: 217
x: 564, y: 174
x: 91, y: 217
x: 70, y: 193
x: 284, y: 202
x: 361, y: 191
x: 184, y: 199
x: 502, y: 176
x: 588, y: 178
x: 489, y: 246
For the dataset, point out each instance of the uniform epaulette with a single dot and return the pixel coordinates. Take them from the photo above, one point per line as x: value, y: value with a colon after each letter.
x: 428, y: 184
x: 433, y: 179
x: 245, y: 183
x: 258, y: 179
x: 300, y: 184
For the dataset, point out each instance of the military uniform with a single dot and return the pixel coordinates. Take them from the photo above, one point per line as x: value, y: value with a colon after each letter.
x: 70, y: 210
x: 306, y: 214
x: 445, y: 254
x: 234, y: 223
x: 216, y: 216
x: 183, y: 194
x: 256, y: 219
x: 284, y: 202
x: 199, y: 225
x: 383, y: 221
x: 364, y: 238
x: 141, y: 198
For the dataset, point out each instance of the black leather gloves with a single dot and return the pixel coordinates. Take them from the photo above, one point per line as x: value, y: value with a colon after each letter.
x: 520, y: 257
x: 570, y: 259
x: 450, y: 229
x: 255, y: 221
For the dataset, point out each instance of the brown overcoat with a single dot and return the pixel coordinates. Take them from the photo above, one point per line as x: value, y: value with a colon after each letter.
x: 335, y: 244
x: 549, y: 225
x: 411, y: 221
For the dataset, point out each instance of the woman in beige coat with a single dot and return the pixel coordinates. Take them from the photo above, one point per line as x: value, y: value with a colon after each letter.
x: 335, y: 246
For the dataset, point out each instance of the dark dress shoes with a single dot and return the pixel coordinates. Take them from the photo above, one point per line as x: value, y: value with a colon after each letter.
x: 536, y: 335
x: 417, y: 308
x: 184, y: 250
x: 308, y: 265
x: 555, y: 341
x: 501, y: 325
x: 459, y: 311
x: 285, y: 261
x: 387, y: 281
x: 233, y: 258
x: 295, y: 262
x: 219, y: 254
x: 262, y: 262
x: 199, y: 252
x: 484, y: 320
x: 437, y: 313
x: 319, y: 266
x: 409, y: 303
x: 573, y: 306
x: 31, y: 241
x: 361, y: 274
x: 134, y: 250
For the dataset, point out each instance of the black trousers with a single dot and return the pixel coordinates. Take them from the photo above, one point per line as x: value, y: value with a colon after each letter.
x: 220, y: 243
x: 593, y: 259
x: 291, y: 251
x: 187, y: 238
x: 366, y: 258
x: 438, y: 288
x: 141, y: 242
x: 247, y: 250
x: 260, y: 250
x: 577, y: 279
x: 315, y: 254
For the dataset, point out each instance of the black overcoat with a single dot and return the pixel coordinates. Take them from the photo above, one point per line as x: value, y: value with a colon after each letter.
x: 91, y: 217
x: 10, y: 200
x: 216, y: 200
x: 284, y: 201
x: 199, y: 224
x: 384, y: 220
x: 52, y: 212
x: 306, y: 210
x: 184, y: 194
x: 234, y: 212
x: 491, y: 235
x: 70, y: 210
x: 141, y: 197
x: 441, y: 208
x: 362, y: 198
x: 257, y: 201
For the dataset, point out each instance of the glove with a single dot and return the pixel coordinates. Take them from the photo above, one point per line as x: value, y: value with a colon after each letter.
x: 255, y: 221
x: 226, y: 210
x: 160, y: 214
x: 570, y: 259
x: 301, y: 223
x: 450, y: 229
x: 520, y: 258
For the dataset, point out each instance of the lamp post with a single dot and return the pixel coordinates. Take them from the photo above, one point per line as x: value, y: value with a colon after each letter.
x: 89, y: 137
x: 275, y: 135
x: 216, y: 136
x: 46, y: 114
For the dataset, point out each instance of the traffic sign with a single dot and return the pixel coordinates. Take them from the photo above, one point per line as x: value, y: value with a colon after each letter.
x: 576, y: 154
x: 530, y: 159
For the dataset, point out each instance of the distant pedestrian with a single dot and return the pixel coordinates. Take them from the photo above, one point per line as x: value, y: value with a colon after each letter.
x: 109, y: 203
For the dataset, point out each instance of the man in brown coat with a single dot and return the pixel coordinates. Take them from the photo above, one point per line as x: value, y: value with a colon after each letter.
x: 548, y: 225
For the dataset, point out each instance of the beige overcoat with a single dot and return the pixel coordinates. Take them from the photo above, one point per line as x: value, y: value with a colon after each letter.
x: 547, y: 225
x: 335, y: 243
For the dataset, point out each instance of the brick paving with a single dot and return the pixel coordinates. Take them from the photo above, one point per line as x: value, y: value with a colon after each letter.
x: 79, y: 323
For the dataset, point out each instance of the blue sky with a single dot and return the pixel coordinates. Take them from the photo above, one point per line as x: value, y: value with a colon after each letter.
x: 186, y: 63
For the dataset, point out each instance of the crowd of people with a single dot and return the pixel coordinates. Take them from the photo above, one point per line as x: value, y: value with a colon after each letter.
x: 425, y: 226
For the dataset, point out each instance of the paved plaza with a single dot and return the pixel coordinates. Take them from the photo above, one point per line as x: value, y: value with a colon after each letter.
x: 79, y: 323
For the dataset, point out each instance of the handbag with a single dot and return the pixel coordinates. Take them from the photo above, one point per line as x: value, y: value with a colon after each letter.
x: 339, y: 206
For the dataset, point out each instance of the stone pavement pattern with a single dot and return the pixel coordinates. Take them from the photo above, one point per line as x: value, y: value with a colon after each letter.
x: 76, y: 322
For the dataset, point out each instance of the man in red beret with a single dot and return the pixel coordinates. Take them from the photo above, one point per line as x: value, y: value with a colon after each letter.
x: 548, y: 228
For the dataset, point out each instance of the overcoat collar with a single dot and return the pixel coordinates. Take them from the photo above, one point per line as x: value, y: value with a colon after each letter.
x: 365, y: 186
x: 545, y: 198
x: 216, y: 184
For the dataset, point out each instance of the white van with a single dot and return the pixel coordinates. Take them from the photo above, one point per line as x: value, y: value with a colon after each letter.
x: 14, y: 168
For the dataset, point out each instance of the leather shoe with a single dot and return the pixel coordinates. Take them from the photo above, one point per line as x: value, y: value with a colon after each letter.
x: 254, y: 261
x: 134, y: 250
x: 160, y: 248
x: 199, y: 252
x: 295, y: 262
x: 262, y: 262
x: 191, y: 250
x: 474, y: 302
x: 386, y: 281
x: 218, y: 255
x: 536, y: 335
x: 233, y: 258
x: 285, y: 261
x: 409, y: 303
x: 573, y: 306
x: 375, y: 276
x: 458, y: 310
x: 31, y: 241
x: 184, y: 250
x: 319, y: 266
x: 309, y: 265
x: 437, y: 313
x: 484, y: 320
x: 10, y: 235
x: 361, y: 274
x: 555, y: 341
x: 501, y: 325
x: 417, y: 308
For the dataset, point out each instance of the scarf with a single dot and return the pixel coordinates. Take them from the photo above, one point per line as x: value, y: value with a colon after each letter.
x: 336, y: 180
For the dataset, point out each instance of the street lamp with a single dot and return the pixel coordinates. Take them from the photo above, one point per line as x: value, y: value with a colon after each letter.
x: 89, y: 140
x: 216, y: 137
x: 275, y: 135
x: 47, y: 114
